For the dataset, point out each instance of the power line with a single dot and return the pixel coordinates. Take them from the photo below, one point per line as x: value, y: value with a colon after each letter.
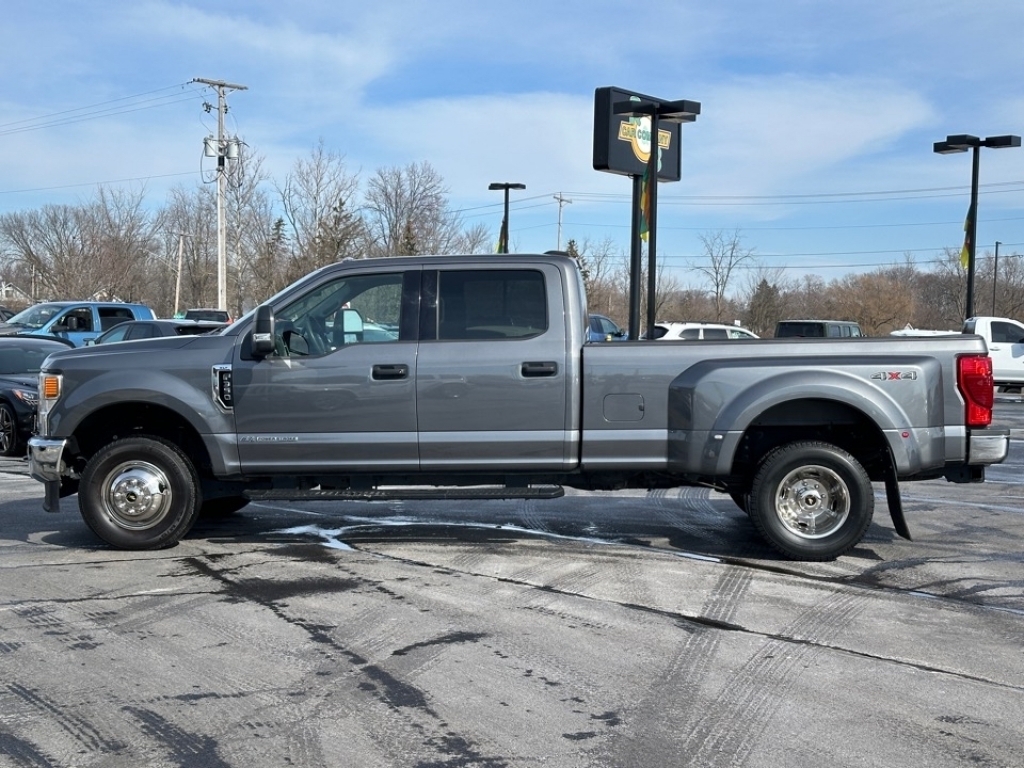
x: 96, y: 183
x: 95, y: 111
x: 829, y: 227
x: 806, y: 199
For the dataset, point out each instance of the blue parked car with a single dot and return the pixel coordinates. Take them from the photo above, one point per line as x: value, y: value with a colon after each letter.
x: 604, y: 329
x: 74, y: 321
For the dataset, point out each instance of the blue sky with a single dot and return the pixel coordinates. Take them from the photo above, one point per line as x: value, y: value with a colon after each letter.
x: 814, y: 141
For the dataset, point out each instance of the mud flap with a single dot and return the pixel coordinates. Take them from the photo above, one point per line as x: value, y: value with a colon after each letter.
x: 892, y: 495
x: 51, y: 497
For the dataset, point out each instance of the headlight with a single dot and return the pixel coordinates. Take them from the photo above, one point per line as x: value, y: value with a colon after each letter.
x: 26, y: 396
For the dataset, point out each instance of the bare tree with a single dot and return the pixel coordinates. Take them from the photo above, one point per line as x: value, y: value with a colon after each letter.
x: 190, y: 223
x: 317, y: 199
x: 667, y: 287
x: 406, y: 212
x: 597, y: 262
x: 96, y: 250
x: 723, y: 254
x: 254, y: 231
x: 951, y: 294
x: 475, y: 239
x: 120, y: 236
x: 877, y: 301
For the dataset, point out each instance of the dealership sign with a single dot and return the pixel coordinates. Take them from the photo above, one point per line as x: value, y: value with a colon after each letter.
x: 622, y: 141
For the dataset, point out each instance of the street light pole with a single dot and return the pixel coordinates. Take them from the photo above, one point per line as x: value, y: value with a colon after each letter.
x: 961, y: 143
x: 503, y: 237
x: 995, y: 277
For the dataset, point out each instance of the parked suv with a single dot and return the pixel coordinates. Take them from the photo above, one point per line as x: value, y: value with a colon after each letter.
x: 817, y: 329
x: 673, y: 330
x: 604, y: 329
x: 74, y: 321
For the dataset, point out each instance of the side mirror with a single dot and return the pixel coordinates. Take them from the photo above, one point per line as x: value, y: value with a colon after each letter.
x: 351, y: 321
x: 262, y: 342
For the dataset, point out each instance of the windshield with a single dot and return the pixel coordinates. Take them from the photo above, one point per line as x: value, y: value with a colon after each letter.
x: 37, y: 316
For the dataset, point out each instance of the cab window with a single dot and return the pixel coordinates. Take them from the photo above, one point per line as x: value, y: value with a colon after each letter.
x: 355, y: 309
x: 1007, y: 333
x: 491, y: 304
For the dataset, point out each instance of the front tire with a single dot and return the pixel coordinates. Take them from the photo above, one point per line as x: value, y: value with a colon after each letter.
x: 139, y: 493
x: 811, y: 500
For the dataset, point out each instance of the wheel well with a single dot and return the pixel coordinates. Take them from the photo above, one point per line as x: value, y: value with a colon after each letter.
x: 127, y: 419
x: 825, y: 420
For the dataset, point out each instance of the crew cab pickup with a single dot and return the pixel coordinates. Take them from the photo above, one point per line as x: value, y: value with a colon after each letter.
x: 472, y: 377
x: 1005, y: 340
x: 76, y: 321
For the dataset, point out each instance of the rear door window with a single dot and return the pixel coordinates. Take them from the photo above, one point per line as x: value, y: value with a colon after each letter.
x: 491, y: 304
x: 111, y: 316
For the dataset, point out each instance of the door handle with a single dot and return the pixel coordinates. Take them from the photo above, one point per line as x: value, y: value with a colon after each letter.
x: 388, y: 372
x: 535, y: 369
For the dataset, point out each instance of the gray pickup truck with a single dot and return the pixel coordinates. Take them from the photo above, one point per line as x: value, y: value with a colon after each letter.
x: 473, y: 377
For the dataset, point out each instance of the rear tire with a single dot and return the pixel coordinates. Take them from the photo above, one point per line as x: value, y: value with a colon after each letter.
x: 811, y: 500
x: 139, y: 493
x: 223, y: 506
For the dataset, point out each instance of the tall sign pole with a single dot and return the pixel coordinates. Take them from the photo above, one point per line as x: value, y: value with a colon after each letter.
x: 222, y: 180
x: 652, y: 226
x: 640, y: 136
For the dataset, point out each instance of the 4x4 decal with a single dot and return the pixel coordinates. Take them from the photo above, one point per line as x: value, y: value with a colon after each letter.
x: 895, y: 376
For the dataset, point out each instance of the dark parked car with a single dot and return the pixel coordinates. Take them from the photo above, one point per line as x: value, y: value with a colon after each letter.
x: 217, y: 315
x: 20, y: 360
x: 817, y: 329
x: 5, y: 313
x: 151, y: 329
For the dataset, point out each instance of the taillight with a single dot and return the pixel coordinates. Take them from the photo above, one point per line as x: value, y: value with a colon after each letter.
x: 974, y: 379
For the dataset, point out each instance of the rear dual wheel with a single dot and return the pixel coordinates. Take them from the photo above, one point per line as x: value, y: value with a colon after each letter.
x: 811, y: 500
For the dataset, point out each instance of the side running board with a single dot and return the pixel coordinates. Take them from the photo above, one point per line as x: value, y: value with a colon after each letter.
x: 407, y: 494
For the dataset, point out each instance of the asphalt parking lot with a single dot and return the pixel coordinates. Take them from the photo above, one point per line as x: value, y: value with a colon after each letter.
x: 627, y: 629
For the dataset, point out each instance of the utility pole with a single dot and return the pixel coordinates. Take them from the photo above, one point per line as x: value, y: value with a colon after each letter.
x: 222, y: 157
x: 562, y: 201
x: 177, y: 280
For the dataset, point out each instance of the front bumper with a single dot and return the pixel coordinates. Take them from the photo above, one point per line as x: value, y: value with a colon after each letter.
x: 44, y: 464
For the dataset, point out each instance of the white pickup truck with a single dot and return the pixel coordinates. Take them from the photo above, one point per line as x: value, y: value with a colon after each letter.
x: 1004, y: 338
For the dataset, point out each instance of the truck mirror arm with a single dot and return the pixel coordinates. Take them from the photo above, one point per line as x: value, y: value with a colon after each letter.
x: 262, y: 343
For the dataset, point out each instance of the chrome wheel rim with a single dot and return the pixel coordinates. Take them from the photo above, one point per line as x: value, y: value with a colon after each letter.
x: 8, y: 430
x: 137, y: 495
x: 813, y: 502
